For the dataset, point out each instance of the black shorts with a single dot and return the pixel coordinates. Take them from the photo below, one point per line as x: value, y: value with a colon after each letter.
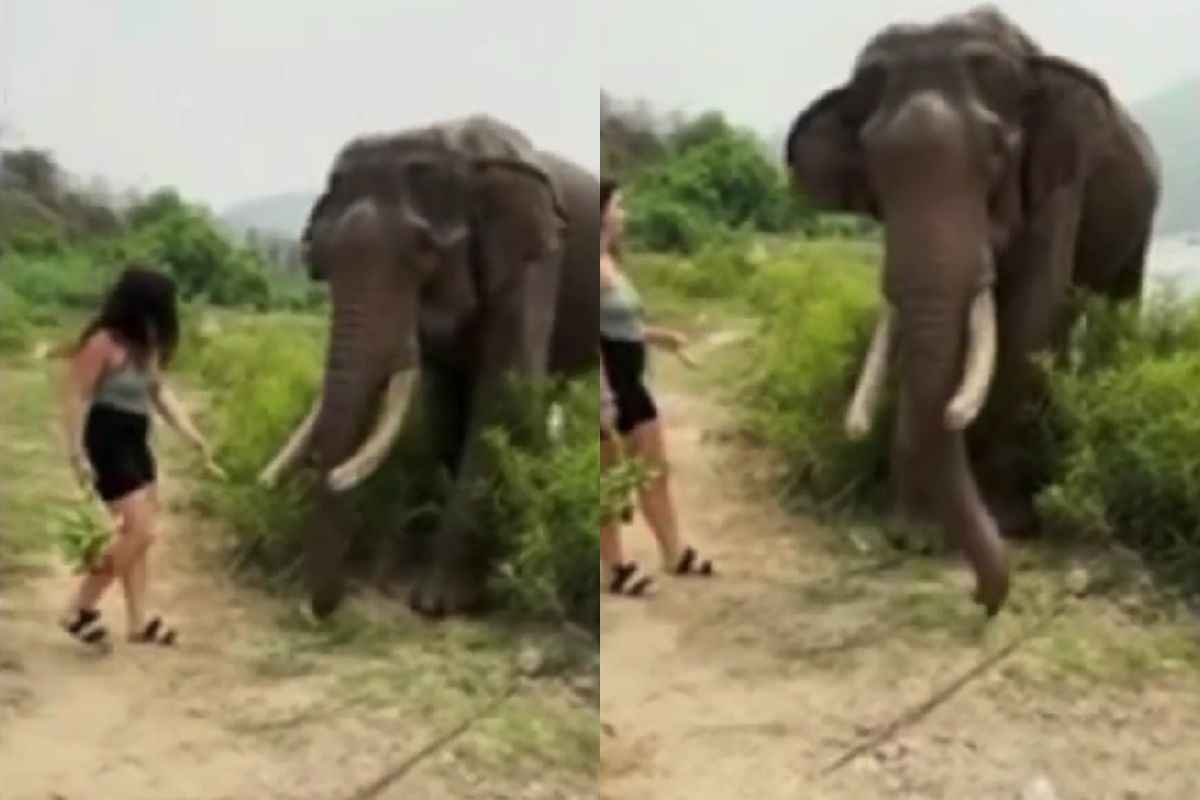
x: 117, y: 444
x: 625, y: 368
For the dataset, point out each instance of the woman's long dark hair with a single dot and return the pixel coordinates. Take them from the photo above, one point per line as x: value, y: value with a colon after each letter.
x: 140, y: 310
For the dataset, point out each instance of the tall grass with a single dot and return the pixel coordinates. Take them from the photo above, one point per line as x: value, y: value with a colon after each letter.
x: 1117, y: 442
x: 541, y: 509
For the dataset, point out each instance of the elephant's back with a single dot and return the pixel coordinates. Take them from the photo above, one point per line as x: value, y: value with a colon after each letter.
x: 577, y: 320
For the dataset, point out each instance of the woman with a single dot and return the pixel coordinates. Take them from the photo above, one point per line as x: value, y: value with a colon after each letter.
x: 623, y: 339
x: 113, y: 381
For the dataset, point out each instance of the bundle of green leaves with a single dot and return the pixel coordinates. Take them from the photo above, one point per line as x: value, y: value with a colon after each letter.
x: 81, y: 531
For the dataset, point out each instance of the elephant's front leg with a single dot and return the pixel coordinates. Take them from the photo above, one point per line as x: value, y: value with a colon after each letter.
x: 515, y: 343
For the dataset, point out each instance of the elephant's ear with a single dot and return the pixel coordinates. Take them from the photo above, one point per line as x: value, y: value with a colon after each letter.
x: 518, y: 210
x: 1068, y: 114
x: 824, y: 156
x: 489, y: 143
x: 306, y: 254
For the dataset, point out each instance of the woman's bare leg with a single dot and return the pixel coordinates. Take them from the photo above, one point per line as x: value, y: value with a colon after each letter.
x: 612, y: 554
x: 128, y: 546
x: 135, y: 580
x: 647, y: 441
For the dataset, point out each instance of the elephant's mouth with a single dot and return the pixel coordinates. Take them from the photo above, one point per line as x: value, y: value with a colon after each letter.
x: 371, y: 452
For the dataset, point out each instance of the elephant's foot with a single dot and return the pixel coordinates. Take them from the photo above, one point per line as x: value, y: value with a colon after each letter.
x: 442, y: 591
x: 327, y: 597
x: 911, y: 536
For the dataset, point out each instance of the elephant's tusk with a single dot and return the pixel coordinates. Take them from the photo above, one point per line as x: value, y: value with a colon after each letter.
x: 374, y: 449
x: 874, y: 373
x: 980, y: 363
x: 294, y: 450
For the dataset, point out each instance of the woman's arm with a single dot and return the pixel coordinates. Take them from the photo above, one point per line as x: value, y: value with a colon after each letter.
x: 77, y: 385
x: 172, y: 410
x: 665, y: 338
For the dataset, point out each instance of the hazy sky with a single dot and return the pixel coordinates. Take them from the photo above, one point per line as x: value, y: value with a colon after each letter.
x: 235, y: 98
x: 763, y: 60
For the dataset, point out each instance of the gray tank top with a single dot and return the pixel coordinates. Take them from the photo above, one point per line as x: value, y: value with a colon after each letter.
x: 126, y: 388
x: 621, y: 311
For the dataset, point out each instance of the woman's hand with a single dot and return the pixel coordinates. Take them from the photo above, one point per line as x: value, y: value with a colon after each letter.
x: 673, y: 342
x: 210, y: 462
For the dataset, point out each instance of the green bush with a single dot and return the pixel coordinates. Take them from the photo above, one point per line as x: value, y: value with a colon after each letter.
x: 16, y: 324
x: 713, y: 179
x: 259, y: 375
x: 817, y: 306
x: 543, y: 508
x: 1116, y: 443
x: 1124, y: 435
x: 70, y: 279
x: 547, y: 500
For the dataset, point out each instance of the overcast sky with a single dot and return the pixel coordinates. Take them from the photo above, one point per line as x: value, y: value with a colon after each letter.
x: 762, y: 60
x: 235, y: 98
x: 229, y: 99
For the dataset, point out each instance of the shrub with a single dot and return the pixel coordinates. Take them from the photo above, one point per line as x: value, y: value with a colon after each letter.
x: 260, y: 375
x: 817, y: 306
x: 1124, y: 436
x: 547, y: 500
x: 542, y: 509
x: 16, y: 325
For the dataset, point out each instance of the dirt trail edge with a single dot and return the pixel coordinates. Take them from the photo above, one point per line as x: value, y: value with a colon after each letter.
x: 795, y: 660
x: 255, y: 701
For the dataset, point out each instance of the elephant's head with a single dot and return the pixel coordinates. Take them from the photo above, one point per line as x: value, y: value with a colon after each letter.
x: 395, y: 237
x: 953, y: 136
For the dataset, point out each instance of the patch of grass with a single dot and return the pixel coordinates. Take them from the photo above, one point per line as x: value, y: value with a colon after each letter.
x: 33, y: 472
x: 258, y: 375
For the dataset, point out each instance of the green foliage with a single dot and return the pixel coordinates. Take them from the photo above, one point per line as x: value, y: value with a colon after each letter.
x: 817, y: 305
x: 16, y: 321
x: 1116, y: 445
x: 713, y: 184
x: 547, y: 503
x: 691, y: 179
x: 61, y: 245
x: 81, y: 533
x: 259, y: 374
x: 1124, y: 436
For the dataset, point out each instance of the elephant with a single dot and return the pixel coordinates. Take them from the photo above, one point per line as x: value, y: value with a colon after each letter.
x: 1004, y: 179
x: 458, y: 256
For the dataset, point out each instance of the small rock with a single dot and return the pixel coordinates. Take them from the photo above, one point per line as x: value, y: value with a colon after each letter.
x: 531, y: 661
x: 1078, y: 581
x: 1040, y: 788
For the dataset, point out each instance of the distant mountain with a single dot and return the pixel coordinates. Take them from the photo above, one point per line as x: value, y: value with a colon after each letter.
x: 278, y: 214
x: 1172, y: 118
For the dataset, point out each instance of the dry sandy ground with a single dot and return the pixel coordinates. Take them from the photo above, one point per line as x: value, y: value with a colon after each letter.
x: 253, y: 703
x: 750, y: 685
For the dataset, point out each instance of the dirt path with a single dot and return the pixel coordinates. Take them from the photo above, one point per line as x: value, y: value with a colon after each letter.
x: 751, y: 685
x: 255, y: 702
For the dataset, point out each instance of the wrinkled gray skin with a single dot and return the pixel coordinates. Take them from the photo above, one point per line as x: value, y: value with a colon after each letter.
x: 989, y: 164
x: 456, y: 253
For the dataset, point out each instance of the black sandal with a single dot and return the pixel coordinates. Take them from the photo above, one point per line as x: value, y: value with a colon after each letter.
x: 621, y: 576
x: 687, y: 564
x: 87, y: 628
x: 151, y: 634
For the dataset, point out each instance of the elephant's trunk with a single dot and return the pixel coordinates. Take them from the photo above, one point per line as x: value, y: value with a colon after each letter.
x: 372, y: 338
x: 935, y: 277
